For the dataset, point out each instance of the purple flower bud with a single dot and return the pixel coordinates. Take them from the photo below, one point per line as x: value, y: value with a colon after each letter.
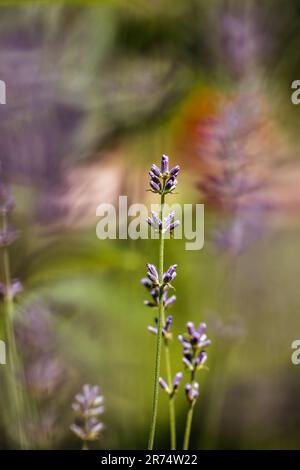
x: 168, y: 219
x: 156, y: 188
x: 204, y: 344
x: 170, y: 274
x: 154, y: 178
x: 172, y: 269
x: 201, y: 358
x: 201, y: 328
x: 174, y: 171
x: 156, y: 219
x: 192, y: 391
x: 155, y: 295
x: 174, y: 225
x: 187, y: 363
x: 163, y: 385
x: 152, y: 330
x: 150, y: 221
x: 152, y: 269
x: 170, y: 301
x: 152, y: 277
x: 177, y: 379
x: 170, y: 184
x: 156, y: 170
x: 168, y: 322
x: 188, y: 391
x: 146, y: 283
x: 191, y: 328
x: 196, y: 390
x: 164, y: 164
x: 185, y: 343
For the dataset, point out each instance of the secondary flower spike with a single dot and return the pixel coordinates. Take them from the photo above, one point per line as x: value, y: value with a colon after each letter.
x: 88, y: 406
x: 194, y: 344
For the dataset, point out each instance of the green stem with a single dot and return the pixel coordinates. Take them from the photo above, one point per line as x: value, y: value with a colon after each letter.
x: 159, y: 335
x: 13, y: 360
x: 189, y: 418
x: 171, y: 399
x: 188, y: 427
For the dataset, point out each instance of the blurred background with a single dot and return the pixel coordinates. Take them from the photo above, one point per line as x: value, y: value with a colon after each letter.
x: 96, y: 92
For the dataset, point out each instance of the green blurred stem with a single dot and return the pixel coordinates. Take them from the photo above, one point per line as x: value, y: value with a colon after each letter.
x: 189, y: 419
x: 188, y: 427
x: 171, y: 399
x: 159, y: 329
x: 11, y: 341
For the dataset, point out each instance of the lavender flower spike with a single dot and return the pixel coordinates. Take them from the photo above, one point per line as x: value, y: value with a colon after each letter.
x: 88, y: 405
x: 194, y: 344
x: 162, y: 182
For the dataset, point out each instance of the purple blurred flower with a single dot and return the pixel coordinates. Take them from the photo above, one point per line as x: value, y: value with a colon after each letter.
x: 7, y: 202
x: 14, y: 289
x: 8, y: 237
x: 88, y: 406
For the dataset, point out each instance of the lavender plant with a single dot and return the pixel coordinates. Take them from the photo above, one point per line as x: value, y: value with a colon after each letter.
x: 88, y: 406
x: 9, y: 288
x: 162, y: 182
x: 194, y: 356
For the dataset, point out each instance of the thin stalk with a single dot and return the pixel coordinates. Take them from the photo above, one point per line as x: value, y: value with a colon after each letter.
x: 171, y: 398
x: 189, y: 418
x: 13, y: 361
x: 159, y: 335
x: 188, y: 427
